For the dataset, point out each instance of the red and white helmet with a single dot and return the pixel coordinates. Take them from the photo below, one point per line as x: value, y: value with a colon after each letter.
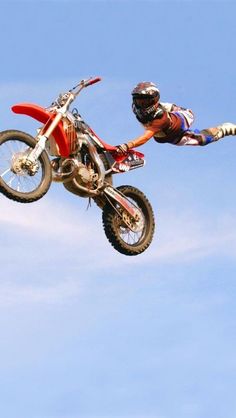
x: 146, y: 97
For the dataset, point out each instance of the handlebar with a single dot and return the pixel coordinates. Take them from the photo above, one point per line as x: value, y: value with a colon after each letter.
x: 92, y: 81
x: 84, y: 83
x: 68, y: 97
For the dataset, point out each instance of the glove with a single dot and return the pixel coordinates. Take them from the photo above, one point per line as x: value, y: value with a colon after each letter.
x: 122, y: 149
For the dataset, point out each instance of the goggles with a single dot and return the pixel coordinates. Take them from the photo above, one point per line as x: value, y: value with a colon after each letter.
x: 144, y: 101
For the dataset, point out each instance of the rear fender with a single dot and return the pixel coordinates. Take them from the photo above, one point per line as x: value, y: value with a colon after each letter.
x: 43, y: 116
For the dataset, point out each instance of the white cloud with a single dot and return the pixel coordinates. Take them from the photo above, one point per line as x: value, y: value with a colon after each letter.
x: 54, y: 293
x: 177, y: 239
x: 75, y: 240
x: 188, y: 238
x: 47, y: 218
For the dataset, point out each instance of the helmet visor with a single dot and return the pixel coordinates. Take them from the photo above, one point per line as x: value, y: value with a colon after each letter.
x: 144, y: 101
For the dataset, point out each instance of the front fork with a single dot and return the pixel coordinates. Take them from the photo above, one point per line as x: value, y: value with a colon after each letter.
x: 42, y: 139
x: 38, y: 149
x: 30, y: 162
x: 133, y: 213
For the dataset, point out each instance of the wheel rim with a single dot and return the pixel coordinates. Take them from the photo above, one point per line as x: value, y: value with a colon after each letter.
x: 14, y: 176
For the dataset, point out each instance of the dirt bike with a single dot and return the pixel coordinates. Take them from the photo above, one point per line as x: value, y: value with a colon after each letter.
x: 67, y: 150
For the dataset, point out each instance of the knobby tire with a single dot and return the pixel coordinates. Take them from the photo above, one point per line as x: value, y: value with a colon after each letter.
x: 39, y: 192
x: 112, y: 232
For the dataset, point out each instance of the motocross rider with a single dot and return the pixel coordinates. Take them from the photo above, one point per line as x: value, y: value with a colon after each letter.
x: 167, y: 122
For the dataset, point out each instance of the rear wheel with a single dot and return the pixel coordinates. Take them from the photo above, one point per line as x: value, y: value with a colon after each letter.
x: 20, y: 181
x: 124, y: 239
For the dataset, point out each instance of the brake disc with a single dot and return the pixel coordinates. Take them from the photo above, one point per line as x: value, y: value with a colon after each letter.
x: 21, y: 166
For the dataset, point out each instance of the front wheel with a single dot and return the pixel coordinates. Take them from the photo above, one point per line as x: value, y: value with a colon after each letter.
x: 18, y: 180
x: 121, y: 237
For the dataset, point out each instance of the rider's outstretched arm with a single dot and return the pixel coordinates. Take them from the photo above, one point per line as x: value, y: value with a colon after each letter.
x: 140, y: 140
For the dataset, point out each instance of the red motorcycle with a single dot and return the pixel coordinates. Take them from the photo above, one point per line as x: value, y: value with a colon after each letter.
x: 67, y: 150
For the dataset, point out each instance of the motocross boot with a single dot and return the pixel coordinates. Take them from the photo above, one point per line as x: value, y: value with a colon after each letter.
x: 225, y: 129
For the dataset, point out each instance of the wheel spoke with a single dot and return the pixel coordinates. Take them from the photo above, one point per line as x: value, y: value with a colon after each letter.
x: 5, y: 172
x: 11, y: 180
x: 127, y: 235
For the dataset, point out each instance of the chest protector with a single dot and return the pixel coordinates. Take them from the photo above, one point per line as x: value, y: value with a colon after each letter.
x: 168, y: 127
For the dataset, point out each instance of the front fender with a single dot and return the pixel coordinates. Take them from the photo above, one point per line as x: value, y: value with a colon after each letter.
x: 42, y: 115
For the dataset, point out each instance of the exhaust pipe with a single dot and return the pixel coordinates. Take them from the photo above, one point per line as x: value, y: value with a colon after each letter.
x: 71, y: 167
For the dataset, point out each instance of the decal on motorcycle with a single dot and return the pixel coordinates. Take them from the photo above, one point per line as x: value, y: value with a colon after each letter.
x: 134, y: 161
x: 124, y: 167
x: 122, y: 200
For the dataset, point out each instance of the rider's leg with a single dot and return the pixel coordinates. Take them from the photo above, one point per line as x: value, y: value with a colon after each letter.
x: 207, y: 136
x: 214, y: 134
x: 194, y: 138
x: 225, y: 129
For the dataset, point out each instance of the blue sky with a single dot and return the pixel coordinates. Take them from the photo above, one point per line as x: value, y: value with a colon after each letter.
x: 84, y: 331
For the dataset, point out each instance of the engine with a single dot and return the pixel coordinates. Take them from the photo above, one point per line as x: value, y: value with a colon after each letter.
x: 85, y: 175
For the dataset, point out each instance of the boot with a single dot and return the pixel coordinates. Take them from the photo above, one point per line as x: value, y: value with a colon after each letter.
x: 225, y: 129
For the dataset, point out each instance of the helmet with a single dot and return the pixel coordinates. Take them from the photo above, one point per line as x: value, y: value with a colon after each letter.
x: 145, y: 101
